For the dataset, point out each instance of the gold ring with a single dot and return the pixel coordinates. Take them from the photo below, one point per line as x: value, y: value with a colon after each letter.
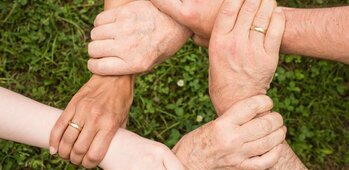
x: 258, y: 29
x: 75, y: 126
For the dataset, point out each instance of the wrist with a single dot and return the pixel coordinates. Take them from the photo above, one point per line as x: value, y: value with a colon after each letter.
x: 223, y: 97
x: 291, y: 31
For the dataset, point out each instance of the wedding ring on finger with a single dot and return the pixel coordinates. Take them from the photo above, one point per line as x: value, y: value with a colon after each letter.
x: 75, y: 126
x: 258, y: 29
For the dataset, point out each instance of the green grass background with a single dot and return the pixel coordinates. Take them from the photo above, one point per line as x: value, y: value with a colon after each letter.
x: 43, y: 56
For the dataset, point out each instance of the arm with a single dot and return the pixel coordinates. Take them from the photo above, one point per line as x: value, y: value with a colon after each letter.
x: 243, y: 61
x: 29, y: 122
x: 100, y: 107
x: 321, y: 33
x: 133, y: 39
x: 318, y: 33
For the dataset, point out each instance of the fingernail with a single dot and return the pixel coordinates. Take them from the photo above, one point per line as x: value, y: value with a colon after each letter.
x: 53, y: 150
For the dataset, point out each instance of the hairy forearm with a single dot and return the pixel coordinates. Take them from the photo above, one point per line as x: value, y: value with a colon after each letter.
x: 320, y: 33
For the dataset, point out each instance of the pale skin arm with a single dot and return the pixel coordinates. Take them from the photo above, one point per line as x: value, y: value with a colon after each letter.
x: 29, y: 122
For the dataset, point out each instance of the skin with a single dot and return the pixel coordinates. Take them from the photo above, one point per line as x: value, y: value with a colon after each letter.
x: 111, y: 98
x: 100, y: 107
x: 307, y: 27
x: 184, y: 148
x: 148, y: 36
x: 241, y: 147
x: 239, y: 54
x: 126, y: 151
x: 130, y: 151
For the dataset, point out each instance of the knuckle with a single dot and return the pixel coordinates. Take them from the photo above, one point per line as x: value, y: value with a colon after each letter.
x: 188, y: 14
x: 266, y: 144
x: 258, y: 103
x: 91, y: 49
x: 79, y: 150
x: 112, y: 125
x: 97, y: 19
x: 253, y: 104
x: 93, y: 34
x: 96, y: 113
x: 94, y: 157
x: 227, y: 10
x: 277, y: 118
x: 265, y: 124
x: 249, y: 7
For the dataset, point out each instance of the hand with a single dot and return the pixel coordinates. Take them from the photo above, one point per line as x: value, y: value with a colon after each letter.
x: 243, y: 61
x: 133, y: 39
x: 100, y: 108
x: 235, y: 141
x: 198, y: 15
x: 130, y: 151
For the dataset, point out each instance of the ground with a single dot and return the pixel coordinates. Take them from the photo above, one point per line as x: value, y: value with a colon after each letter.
x: 43, y: 56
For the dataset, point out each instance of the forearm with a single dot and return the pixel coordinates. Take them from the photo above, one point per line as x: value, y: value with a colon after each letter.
x: 29, y: 122
x: 320, y: 33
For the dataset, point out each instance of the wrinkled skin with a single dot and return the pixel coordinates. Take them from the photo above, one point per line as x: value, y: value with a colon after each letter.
x: 100, y: 107
x: 133, y: 39
x: 232, y: 142
x: 242, y: 61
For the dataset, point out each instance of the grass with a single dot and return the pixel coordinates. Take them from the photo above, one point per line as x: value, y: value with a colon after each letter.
x: 43, y: 56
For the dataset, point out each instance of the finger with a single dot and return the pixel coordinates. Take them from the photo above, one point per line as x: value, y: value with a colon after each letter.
x: 226, y: 17
x: 201, y: 41
x: 105, y: 48
x: 171, y: 8
x: 261, y: 127
x: 69, y: 137
x: 110, y: 66
x: 245, y: 110
x: 246, y: 16
x: 104, y: 32
x: 98, y: 149
x: 82, y: 144
x: 275, y: 32
x: 171, y: 162
x: 263, y: 145
x: 60, y: 127
x: 265, y: 161
x: 262, y: 20
x: 106, y: 17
